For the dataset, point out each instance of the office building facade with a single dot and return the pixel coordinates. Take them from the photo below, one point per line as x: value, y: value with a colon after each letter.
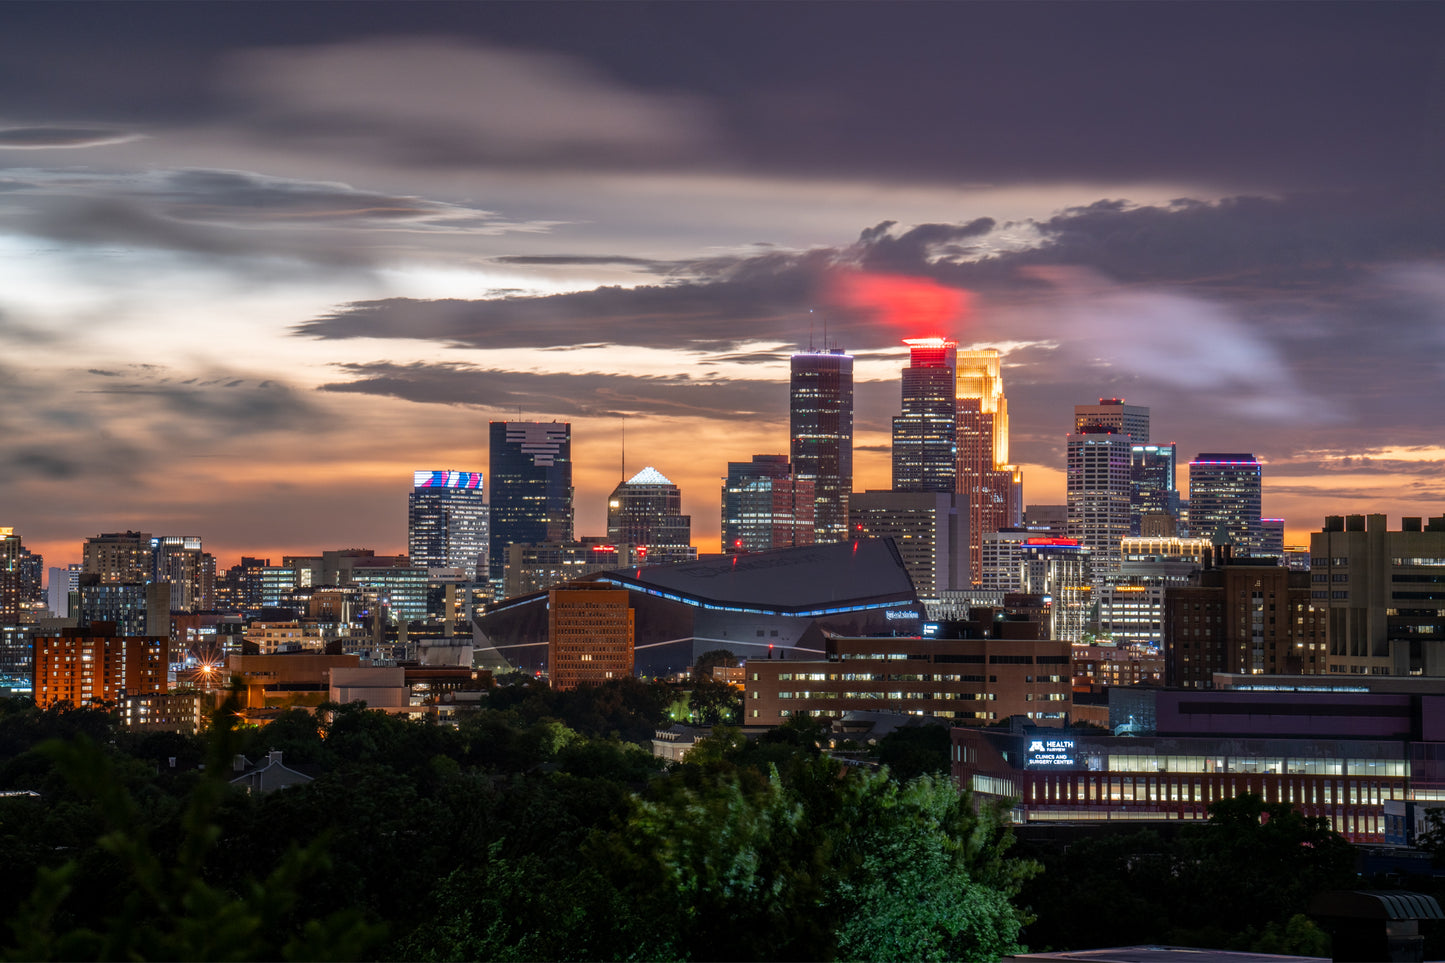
x: 1249, y: 616
x: 94, y: 664
x: 1341, y: 757
x: 992, y: 486
x: 11, y: 590
x: 448, y: 522
x: 1383, y: 593
x: 1099, y: 493
x: 119, y: 557
x: 929, y: 529
x: 1154, y: 492
x: 820, y: 423
x: 591, y: 632
x: 977, y: 680
x: 646, y: 512
x: 182, y: 562
x: 1113, y: 415
x: 1224, y: 499
x: 925, y: 444
x: 765, y: 506
x: 1057, y: 570
x: 531, y: 501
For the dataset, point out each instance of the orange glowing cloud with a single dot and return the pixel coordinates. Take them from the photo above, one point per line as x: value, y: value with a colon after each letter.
x: 917, y: 306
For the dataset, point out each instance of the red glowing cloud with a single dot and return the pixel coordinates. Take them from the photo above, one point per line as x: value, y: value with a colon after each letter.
x: 918, y: 306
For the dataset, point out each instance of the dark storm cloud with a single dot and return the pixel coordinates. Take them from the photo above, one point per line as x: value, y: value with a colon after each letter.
x: 228, y: 215
x: 246, y: 197
x: 1252, y: 309
x: 580, y: 260
x: 749, y: 299
x: 130, y: 427
x: 1258, y: 96
x: 36, y: 138
x: 563, y: 395
x: 923, y: 245
x: 222, y: 405
x: 1293, y: 254
x: 396, y: 98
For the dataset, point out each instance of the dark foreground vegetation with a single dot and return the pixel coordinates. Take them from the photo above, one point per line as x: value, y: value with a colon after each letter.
x: 531, y: 831
x: 541, y: 828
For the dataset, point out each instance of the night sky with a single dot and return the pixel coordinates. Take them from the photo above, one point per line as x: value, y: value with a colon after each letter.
x: 259, y: 262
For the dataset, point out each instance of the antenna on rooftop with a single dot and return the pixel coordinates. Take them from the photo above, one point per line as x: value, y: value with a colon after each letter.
x: 623, y: 466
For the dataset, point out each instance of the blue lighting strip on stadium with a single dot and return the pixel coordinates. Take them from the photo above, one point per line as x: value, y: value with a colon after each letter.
x: 809, y: 613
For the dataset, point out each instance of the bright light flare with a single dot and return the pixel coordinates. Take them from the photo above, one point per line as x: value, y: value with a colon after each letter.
x: 911, y: 304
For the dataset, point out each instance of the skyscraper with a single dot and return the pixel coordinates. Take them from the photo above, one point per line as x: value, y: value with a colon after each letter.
x: 821, y: 426
x: 1112, y: 414
x: 1099, y: 490
x: 928, y: 529
x: 994, y: 487
x: 646, y: 512
x: 190, y: 570
x: 925, y: 449
x: 119, y: 557
x: 10, y: 590
x: 448, y: 521
x: 765, y: 506
x: 1154, y: 496
x: 1224, y: 499
x: 531, y: 469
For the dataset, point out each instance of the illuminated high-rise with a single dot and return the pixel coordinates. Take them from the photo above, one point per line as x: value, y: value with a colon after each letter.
x: 646, y: 512
x: 531, y: 469
x: 10, y: 588
x: 1154, y: 496
x: 119, y: 557
x: 1224, y: 499
x: 925, y: 449
x: 927, y: 528
x: 1099, y: 490
x: 448, y: 522
x: 821, y: 427
x: 190, y: 570
x: 993, y: 486
x: 1112, y: 414
x: 765, y: 506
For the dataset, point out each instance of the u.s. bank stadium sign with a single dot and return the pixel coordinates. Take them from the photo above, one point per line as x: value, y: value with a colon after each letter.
x: 893, y: 616
x: 1053, y: 753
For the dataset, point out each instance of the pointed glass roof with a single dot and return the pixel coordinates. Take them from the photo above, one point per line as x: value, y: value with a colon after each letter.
x: 649, y: 476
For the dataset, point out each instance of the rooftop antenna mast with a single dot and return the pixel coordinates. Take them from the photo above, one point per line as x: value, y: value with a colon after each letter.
x: 810, y: 331
x: 623, y: 466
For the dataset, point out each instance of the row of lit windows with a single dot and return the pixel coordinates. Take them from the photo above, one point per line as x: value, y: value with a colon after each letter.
x: 1151, y: 762
x: 896, y: 694
x: 1139, y: 789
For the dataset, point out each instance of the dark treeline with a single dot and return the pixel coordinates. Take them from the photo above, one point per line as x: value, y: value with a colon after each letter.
x: 534, y: 829
x: 541, y: 827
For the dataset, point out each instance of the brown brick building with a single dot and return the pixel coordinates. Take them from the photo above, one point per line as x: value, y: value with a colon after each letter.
x: 975, y: 681
x: 1248, y: 616
x: 591, y: 633
x: 94, y: 665
x: 1103, y: 665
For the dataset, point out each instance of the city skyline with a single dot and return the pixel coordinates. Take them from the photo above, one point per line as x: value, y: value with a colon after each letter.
x: 261, y: 264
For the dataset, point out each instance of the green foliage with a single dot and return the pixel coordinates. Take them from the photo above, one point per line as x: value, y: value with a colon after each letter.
x: 916, y: 751
x: 1235, y: 882
x: 918, y: 891
x: 513, y: 835
x: 714, y: 703
x: 703, y: 667
x: 163, y: 907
